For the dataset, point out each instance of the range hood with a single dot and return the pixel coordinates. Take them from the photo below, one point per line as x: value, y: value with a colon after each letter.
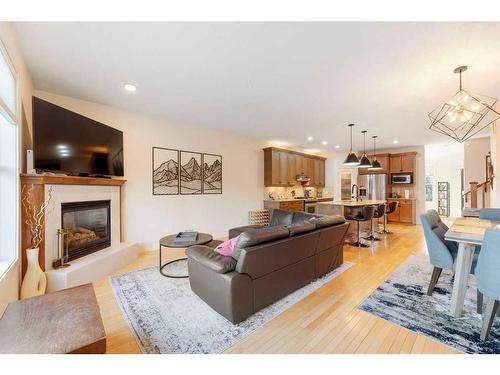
x: 303, y: 178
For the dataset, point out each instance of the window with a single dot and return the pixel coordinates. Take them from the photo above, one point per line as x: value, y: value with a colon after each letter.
x: 9, y: 199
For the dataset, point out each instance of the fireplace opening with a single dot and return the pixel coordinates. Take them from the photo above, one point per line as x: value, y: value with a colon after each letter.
x: 87, y: 227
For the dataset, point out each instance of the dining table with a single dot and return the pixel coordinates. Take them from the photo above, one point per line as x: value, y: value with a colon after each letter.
x: 468, y: 233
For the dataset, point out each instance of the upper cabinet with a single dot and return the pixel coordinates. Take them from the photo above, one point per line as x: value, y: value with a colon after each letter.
x: 403, y: 163
x: 383, y: 159
x: 281, y: 167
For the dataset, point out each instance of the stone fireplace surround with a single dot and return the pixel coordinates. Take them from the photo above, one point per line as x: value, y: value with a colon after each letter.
x: 91, y: 267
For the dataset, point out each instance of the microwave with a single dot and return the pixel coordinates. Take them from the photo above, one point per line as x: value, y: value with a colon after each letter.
x: 402, y: 179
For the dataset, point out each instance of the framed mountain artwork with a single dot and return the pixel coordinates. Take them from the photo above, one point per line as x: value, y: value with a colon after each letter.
x: 165, y: 171
x: 190, y: 172
x: 212, y: 174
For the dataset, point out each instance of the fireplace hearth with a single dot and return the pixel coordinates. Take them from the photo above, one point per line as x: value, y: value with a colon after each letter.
x: 87, y: 226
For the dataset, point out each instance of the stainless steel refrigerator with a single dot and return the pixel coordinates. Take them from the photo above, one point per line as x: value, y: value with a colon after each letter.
x: 375, y: 185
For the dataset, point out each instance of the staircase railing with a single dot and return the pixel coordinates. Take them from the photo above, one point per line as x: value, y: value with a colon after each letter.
x: 474, y: 188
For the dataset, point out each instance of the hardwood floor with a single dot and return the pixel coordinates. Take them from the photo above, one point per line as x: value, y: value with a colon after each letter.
x: 327, y: 321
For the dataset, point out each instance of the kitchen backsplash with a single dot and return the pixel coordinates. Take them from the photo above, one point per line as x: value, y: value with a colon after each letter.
x: 286, y: 192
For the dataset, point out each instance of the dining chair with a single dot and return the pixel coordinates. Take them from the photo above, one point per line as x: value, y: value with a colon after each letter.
x: 490, y: 214
x: 488, y: 278
x: 442, y: 253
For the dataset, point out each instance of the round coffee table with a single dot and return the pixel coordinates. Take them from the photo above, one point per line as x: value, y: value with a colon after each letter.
x: 169, y: 241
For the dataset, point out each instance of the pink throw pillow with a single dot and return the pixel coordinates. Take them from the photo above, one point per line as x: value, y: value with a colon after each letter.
x: 227, y: 247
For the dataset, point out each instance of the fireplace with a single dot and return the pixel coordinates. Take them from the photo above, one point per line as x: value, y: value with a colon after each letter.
x: 87, y: 227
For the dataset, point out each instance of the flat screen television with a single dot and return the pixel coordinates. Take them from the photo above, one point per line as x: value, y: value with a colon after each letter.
x: 64, y: 141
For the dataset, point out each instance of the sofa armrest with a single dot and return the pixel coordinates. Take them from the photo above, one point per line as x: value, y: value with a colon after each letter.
x: 211, y: 259
x: 233, y: 232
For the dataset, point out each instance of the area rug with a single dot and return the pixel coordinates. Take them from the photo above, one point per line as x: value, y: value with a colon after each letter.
x: 167, y: 317
x: 402, y: 299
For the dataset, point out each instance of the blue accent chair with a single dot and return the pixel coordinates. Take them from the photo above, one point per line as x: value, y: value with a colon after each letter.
x: 488, y: 277
x: 442, y: 253
x: 490, y: 214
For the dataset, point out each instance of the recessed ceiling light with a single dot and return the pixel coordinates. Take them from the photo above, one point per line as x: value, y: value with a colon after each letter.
x: 337, y: 146
x: 130, y: 87
x: 395, y: 141
x: 325, y: 142
x: 309, y: 138
x: 62, y: 147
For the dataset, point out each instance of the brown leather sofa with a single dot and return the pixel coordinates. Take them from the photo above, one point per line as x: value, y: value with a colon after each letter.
x: 268, y: 263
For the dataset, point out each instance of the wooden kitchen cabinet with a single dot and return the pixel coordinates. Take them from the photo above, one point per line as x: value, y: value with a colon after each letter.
x: 283, y: 172
x: 383, y: 159
x: 281, y: 167
x: 310, y: 168
x: 395, y: 163
x: 274, y: 169
x: 322, y: 173
x: 408, y: 163
x: 291, y: 169
x: 297, y: 205
x: 403, y: 163
x: 405, y: 212
x: 289, y: 205
x: 299, y: 164
x: 319, y: 173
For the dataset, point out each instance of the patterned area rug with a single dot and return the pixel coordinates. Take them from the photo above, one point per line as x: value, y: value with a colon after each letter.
x: 167, y: 317
x: 402, y: 299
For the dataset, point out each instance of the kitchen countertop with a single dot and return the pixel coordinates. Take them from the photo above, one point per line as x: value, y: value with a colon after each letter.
x: 348, y: 203
x: 298, y: 199
x: 402, y: 199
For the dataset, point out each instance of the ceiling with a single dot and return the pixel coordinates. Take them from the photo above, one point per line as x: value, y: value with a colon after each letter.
x: 278, y: 82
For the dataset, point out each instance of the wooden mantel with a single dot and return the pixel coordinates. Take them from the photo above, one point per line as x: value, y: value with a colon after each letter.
x: 39, y: 181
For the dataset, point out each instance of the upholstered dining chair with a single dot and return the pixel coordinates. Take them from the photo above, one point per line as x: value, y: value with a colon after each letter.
x: 490, y: 214
x: 488, y: 278
x: 442, y: 253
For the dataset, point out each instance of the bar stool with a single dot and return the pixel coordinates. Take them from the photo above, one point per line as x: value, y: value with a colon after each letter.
x: 391, y: 207
x: 377, y: 214
x: 365, y: 215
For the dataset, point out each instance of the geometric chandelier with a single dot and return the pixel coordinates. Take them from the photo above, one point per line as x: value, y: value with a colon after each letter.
x: 464, y: 115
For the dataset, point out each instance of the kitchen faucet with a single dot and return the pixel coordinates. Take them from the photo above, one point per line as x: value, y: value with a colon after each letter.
x: 357, y: 192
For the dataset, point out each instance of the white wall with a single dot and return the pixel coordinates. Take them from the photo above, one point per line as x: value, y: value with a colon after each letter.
x: 475, y: 151
x: 9, y: 282
x: 444, y: 163
x: 147, y: 217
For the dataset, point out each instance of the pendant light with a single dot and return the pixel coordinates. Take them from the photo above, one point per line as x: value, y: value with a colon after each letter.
x: 364, y: 161
x: 465, y: 114
x: 351, y: 158
x: 375, y: 163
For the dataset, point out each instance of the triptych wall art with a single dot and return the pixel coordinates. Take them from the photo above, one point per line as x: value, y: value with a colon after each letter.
x: 186, y: 172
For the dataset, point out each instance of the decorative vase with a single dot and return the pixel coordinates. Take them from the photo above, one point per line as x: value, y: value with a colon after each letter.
x: 35, y: 281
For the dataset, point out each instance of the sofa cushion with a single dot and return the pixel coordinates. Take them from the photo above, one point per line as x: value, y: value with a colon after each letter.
x: 233, y: 232
x: 226, y: 248
x: 257, y: 236
x: 327, y: 221
x: 209, y: 258
x: 302, y: 216
x: 302, y: 227
x: 280, y: 217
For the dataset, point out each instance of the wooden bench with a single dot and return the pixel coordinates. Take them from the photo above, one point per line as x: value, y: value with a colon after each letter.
x: 67, y: 321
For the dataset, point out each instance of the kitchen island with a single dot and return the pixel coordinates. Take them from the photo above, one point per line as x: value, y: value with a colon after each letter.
x: 346, y: 208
